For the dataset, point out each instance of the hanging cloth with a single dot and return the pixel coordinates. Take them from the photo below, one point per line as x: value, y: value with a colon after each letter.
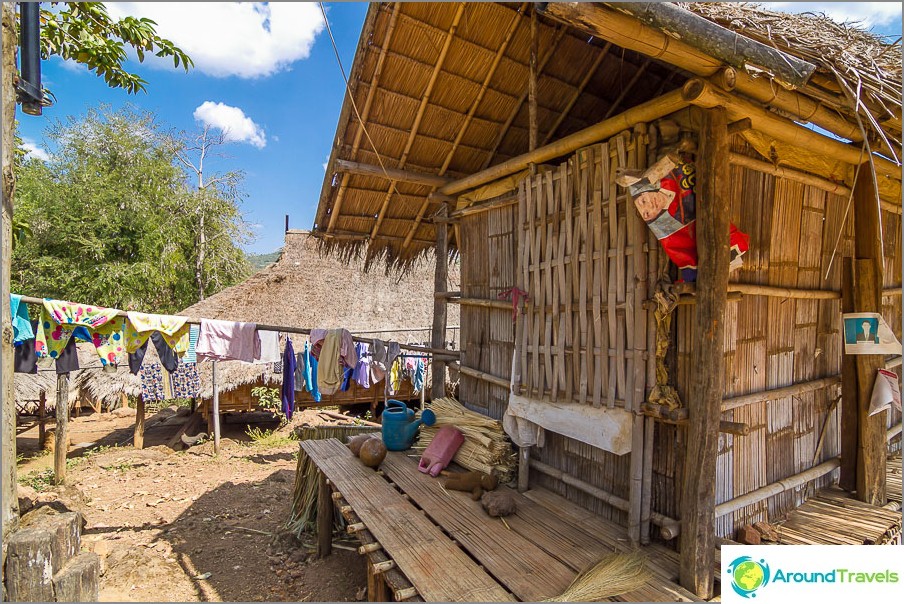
x: 310, y: 373
x: 152, y: 382
x: 59, y: 319
x: 287, y: 393
x: 193, y: 332
x: 378, y: 362
x: 228, y: 341
x: 329, y: 375
x: 186, y: 382
x: 269, y: 352
x: 394, y: 381
x: 25, y: 359
x: 174, y: 330
x: 23, y: 329
x: 417, y: 378
x: 362, y: 369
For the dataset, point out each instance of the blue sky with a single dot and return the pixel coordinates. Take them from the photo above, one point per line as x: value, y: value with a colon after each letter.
x: 267, y: 73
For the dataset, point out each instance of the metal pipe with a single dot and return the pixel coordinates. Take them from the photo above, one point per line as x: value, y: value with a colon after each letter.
x: 29, y: 86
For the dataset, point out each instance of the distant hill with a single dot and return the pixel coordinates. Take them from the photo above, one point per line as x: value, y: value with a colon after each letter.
x: 259, y: 261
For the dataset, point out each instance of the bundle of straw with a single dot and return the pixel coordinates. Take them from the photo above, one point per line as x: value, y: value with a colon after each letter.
x: 612, y: 576
x: 486, y: 447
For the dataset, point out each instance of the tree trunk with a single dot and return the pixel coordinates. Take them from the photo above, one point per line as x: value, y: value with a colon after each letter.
x: 698, y: 495
x: 10, y: 509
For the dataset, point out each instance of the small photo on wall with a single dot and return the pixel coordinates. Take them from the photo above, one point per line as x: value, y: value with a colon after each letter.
x: 867, y: 333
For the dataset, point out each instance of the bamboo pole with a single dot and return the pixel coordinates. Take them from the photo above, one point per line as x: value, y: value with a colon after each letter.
x: 781, y: 486
x: 629, y: 33
x: 365, y: 114
x: 647, y: 112
x: 646, y: 498
x: 61, y: 431
x: 533, y: 131
x: 776, y: 393
x: 483, y: 376
x: 450, y: 34
x: 417, y: 178
x: 736, y: 428
x: 440, y: 284
x: 704, y: 94
x: 502, y: 201
x: 754, y: 289
x: 482, y: 302
x: 893, y: 431
x: 216, y: 410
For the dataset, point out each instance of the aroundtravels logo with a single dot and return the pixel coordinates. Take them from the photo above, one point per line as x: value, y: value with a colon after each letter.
x: 748, y: 575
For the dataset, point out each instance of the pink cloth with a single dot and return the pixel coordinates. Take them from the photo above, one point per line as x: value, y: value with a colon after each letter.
x: 228, y: 341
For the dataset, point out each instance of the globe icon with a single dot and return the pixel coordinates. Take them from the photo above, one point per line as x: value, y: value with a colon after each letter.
x: 749, y: 575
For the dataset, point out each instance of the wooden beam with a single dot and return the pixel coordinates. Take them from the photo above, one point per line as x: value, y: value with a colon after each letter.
x: 550, y: 52
x: 450, y: 34
x: 588, y: 75
x: 482, y: 302
x: 850, y: 416
x: 61, y: 430
x: 705, y: 399
x: 647, y: 112
x: 533, y: 128
x: 743, y: 400
x: 365, y: 114
x: 440, y: 285
x: 631, y: 34
x: 138, y: 438
x: 484, y: 376
x: 417, y: 178
x: 502, y: 201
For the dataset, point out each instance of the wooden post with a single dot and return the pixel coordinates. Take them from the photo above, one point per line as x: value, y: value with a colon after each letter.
x: 10, y: 502
x: 698, y: 494
x: 532, y: 86
x: 523, y: 469
x: 215, y: 411
x: 324, y: 518
x: 440, y: 285
x: 138, y: 440
x: 867, y: 290
x: 376, y: 585
x: 61, y: 431
x: 42, y: 420
x: 850, y: 415
x: 124, y: 400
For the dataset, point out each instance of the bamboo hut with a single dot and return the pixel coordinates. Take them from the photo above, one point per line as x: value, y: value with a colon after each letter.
x: 498, y: 131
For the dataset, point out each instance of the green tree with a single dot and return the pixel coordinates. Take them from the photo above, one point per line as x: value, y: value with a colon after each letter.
x: 85, y: 33
x: 113, y: 218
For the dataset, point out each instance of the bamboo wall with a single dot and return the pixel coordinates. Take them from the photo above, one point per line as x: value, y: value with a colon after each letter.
x: 769, y: 342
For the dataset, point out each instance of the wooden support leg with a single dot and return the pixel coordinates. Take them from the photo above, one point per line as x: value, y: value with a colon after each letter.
x: 324, y: 518
x: 376, y: 585
x: 215, y: 411
x: 139, y: 424
x: 698, y: 492
x: 440, y: 284
x: 61, y: 431
x: 42, y: 421
x: 523, y: 469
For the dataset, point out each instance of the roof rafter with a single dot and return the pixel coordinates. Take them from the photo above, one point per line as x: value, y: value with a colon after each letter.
x: 577, y: 93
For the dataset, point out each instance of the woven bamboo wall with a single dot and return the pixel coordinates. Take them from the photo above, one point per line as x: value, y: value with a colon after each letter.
x: 487, y: 334
x: 774, y: 342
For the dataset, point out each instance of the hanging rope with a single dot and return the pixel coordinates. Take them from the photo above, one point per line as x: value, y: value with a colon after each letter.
x: 666, y: 302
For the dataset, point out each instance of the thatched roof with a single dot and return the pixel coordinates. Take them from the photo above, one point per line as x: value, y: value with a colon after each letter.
x: 306, y: 289
x: 442, y: 88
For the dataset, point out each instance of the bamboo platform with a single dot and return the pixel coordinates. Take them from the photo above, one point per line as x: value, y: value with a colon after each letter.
x: 425, y: 530
x: 893, y: 479
x: 833, y: 517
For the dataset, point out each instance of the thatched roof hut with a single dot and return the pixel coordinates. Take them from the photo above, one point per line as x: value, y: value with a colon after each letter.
x: 307, y: 289
x: 721, y: 409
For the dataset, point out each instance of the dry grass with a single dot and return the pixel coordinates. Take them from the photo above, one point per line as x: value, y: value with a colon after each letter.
x: 612, y: 576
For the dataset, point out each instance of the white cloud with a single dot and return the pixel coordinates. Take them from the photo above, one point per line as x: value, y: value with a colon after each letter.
x: 33, y: 150
x: 247, y: 39
x: 232, y: 121
x: 866, y: 14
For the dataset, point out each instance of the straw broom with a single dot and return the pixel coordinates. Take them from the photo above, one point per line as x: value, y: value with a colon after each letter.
x: 614, y: 575
x: 486, y: 448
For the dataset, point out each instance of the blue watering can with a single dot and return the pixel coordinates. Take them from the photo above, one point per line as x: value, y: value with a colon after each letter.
x: 400, y: 427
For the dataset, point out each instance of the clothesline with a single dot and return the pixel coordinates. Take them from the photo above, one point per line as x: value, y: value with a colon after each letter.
x: 282, y: 328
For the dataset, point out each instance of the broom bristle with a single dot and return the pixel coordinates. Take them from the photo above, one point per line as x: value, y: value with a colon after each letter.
x: 612, y: 576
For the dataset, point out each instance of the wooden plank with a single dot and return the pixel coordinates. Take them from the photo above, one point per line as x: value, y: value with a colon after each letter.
x: 529, y: 573
x: 571, y: 250
x: 600, y: 181
x: 564, y: 290
x: 620, y: 293
x: 549, y: 223
x: 583, y: 269
x: 435, y: 566
x: 523, y: 268
x: 704, y: 402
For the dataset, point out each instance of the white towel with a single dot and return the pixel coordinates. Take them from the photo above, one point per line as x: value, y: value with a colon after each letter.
x: 269, y: 352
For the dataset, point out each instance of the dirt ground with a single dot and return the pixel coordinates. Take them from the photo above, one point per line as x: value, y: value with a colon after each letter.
x: 191, y: 526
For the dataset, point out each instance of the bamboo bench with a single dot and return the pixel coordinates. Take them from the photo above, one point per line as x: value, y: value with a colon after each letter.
x: 439, y: 545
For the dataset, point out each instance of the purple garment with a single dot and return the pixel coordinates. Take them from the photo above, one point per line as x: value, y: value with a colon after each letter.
x: 288, y: 381
x: 362, y: 368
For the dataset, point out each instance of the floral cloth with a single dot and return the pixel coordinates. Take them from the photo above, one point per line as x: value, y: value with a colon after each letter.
x: 59, y: 319
x: 174, y: 329
x: 152, y: 382
x: 186, y: 381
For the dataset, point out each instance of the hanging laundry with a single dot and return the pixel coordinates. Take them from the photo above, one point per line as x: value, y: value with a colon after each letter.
x: 347, y: 379
x: 174, y: 329
x: 288, y: 385
x: 186, y: 382
x: 23, y: 329
x: 193, y: 332
x: 269, y: 352
x: 152, y: 382
x: 393, y: 350
x: 25, y: 360
x: 67, y: 360
x: 137, y: 358
x: 394, y: 381
x: 59, y: 319
x: 317, y: 336
x: 329, y: 376
x: 108, y: 342
x: 378, y: 361
x: 417, y: 378
x: 310, y: 373
x: 362, y: 369
x: 228, y: 341
x: 300, y: 382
